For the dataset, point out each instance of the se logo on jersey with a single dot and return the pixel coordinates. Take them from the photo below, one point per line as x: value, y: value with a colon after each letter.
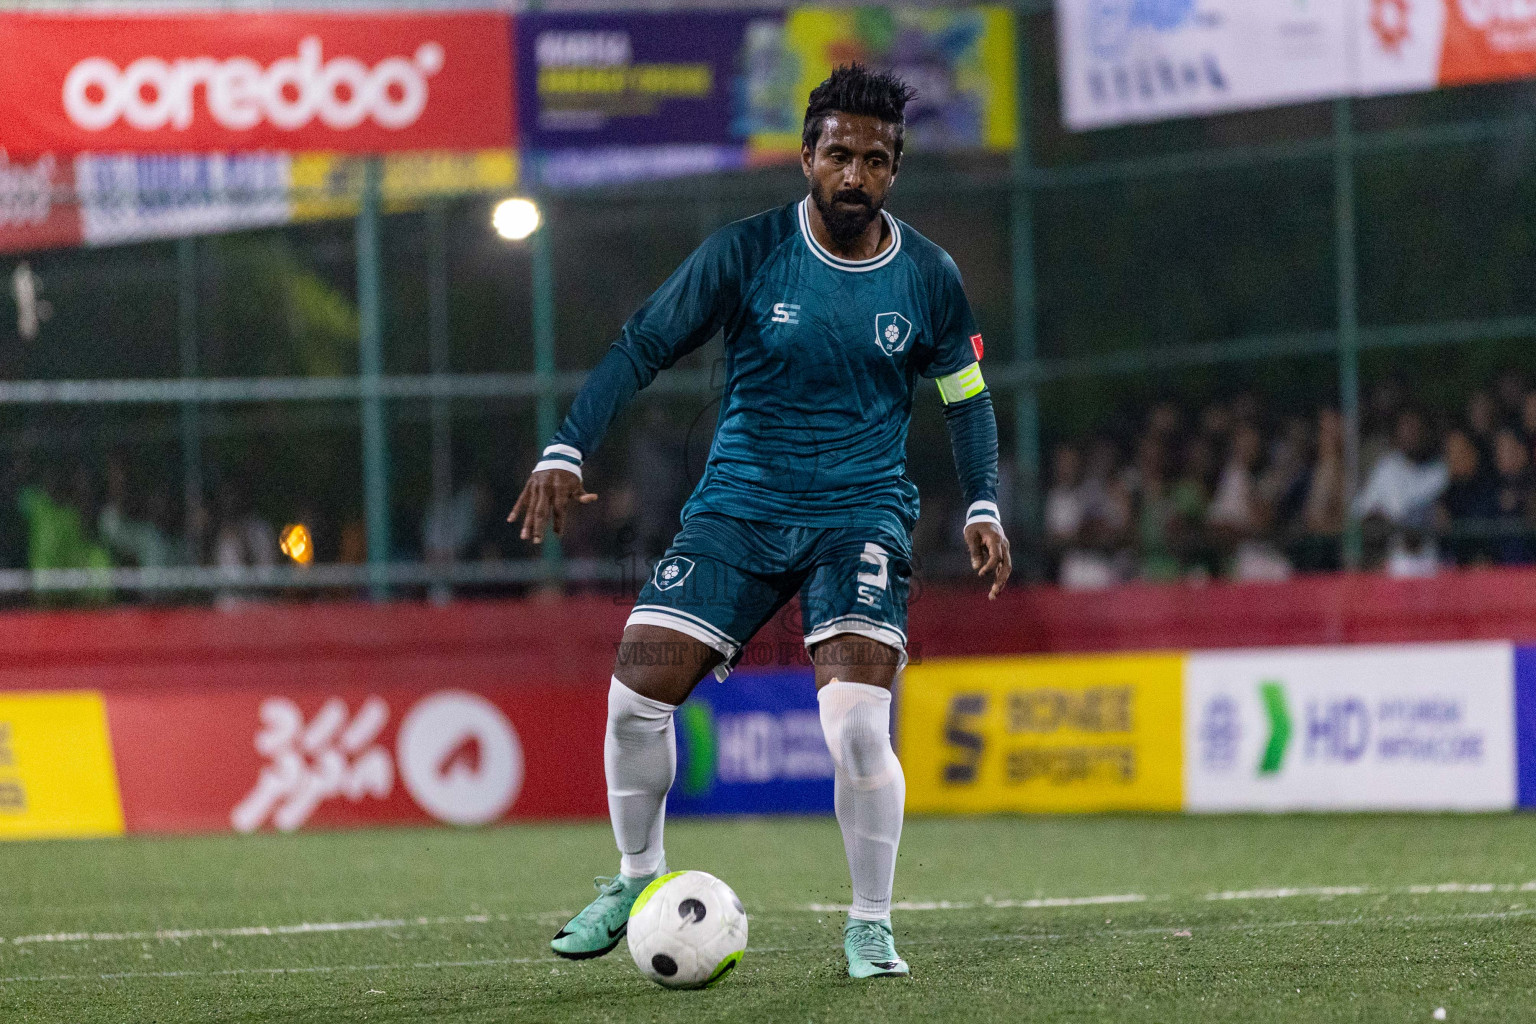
x: 892, y: 331
x: 785, y: 313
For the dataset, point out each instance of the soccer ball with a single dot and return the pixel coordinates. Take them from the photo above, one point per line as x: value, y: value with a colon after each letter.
x: 687, y: 930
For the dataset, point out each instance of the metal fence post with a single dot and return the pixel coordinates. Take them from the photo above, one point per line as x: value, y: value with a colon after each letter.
x: 1346, y: 254
x: 437, y: 352
x: 544, y: 364
x: 1026, y: 398
x: 370, y: 359
x: 191, y: 428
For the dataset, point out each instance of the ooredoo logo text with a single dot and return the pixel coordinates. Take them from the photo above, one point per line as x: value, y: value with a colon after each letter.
x: 239, y: 94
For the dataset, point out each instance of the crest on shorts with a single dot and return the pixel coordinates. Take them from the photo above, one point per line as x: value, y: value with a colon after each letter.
x: 892, y: 331
x: 671, y: 572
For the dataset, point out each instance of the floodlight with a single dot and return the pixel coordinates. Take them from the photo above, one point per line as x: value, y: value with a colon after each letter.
x: 516, y: 219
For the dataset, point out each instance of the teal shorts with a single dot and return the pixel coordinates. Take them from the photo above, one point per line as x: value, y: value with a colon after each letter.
x: 724, y: 578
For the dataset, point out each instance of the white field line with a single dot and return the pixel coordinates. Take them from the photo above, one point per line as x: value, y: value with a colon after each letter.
x: 1326, y: 891
x: 986, y: 903
x: 1316, y: 892
x: 1255, y: 926
x: 1320, y: 891
x: 259, y: 930
x: 236, y: 971
x: 1165, y: 931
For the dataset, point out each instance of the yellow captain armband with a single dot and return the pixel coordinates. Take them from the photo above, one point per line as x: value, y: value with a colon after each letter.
x: 962, y: 384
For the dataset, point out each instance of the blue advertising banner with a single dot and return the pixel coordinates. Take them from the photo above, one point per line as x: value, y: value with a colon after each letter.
x: 1525, y: 724
x: 610, y: 97
x: 752, y: 745
x: 589, y: 81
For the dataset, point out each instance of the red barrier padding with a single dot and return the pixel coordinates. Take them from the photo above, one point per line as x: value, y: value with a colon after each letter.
x: 1480, y: 604
x: 535, y: 640
x: 573, y: 640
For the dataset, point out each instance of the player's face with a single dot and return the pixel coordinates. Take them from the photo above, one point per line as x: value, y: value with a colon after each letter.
x: 851, y: 170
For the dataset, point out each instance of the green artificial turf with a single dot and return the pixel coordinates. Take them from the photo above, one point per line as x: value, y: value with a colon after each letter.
x: 473, y: 911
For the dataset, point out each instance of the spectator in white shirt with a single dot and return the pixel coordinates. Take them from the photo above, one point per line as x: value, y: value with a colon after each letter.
x: 1064, y: 510
x: 1235, y: 508
x: 1407, y: 481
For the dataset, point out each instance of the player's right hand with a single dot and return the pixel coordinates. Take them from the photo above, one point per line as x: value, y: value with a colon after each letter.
x: 991, y: 554
x: 543, y: 502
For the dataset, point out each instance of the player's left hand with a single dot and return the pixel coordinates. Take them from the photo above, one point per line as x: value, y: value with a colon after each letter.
x: 990, y: 554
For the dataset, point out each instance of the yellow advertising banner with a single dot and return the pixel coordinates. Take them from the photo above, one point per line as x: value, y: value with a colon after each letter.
x: 960, y: 59
x: 56, y: 771
x: 327, y: 185
x: 1045, y: 734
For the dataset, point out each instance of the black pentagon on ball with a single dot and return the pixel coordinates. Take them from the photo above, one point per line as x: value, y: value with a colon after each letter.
x: 663, y: 965
x: 691, y: 908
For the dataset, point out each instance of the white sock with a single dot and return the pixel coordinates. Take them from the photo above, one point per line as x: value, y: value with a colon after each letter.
x: 869, y: 792
x: 640, y: 757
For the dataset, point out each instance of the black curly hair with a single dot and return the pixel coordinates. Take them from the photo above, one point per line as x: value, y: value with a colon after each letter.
x: 855, y: 89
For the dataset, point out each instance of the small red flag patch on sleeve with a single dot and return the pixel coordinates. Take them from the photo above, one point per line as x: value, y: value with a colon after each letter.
x: 976, y: 344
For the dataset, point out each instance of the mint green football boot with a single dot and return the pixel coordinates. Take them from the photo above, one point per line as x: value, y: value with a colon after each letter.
x: 871, y: 949
x: 598, y: 928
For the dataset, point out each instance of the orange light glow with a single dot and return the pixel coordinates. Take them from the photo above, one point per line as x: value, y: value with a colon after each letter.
x: 295, y: 543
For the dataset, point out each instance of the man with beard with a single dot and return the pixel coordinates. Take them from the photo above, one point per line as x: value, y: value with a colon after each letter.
x: 831, y: 309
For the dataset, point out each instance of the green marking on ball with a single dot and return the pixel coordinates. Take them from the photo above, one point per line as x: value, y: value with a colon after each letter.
x: 650, y: 890
x: 725, y: 968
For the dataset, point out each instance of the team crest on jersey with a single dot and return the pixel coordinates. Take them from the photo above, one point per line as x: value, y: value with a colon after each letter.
x: 671, y: 572
x: 892, y: 331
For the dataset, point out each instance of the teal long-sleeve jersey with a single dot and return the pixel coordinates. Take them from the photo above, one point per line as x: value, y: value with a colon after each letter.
x: 822, y: 356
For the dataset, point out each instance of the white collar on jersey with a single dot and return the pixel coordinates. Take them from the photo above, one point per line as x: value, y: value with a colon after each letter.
x: 856, y: 266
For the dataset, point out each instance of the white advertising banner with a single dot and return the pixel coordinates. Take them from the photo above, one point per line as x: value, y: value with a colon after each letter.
x: 1144, y: 60
x: 128, y: 197
x: 1417, y: 727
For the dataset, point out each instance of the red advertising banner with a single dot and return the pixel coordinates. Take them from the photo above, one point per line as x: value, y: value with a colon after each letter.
x: 37, y: 205
x: 1488, y: 41
x: 281, y: 81
x: 281, y: 756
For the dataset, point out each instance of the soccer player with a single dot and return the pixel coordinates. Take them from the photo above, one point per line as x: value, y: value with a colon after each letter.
x: 832, y: 309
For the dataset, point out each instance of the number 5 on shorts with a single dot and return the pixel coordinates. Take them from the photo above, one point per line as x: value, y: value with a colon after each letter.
x: 871, y: 582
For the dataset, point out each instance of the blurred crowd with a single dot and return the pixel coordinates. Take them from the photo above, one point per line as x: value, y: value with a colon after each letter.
x: 80, y: 518
x: 1235, y: 489
x: 1248, y: 491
